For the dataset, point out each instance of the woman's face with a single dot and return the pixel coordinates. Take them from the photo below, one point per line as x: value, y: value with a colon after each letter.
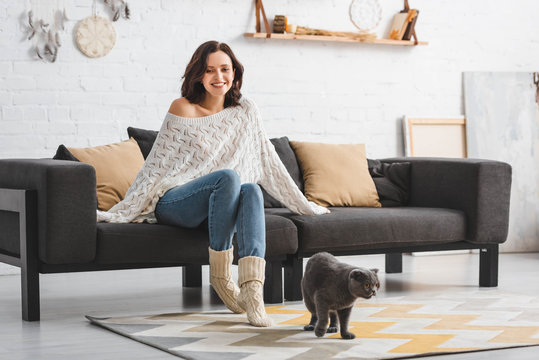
x: 219, y: 74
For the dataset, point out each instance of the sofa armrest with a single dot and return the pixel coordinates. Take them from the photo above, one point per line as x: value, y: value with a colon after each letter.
x: 480, y: 188
x: 66, y: 207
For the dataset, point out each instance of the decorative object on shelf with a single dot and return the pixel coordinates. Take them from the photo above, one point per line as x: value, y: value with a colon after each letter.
x: 365, y: 14
x: 279, y: 24
x: 95, y: 35
x: 398, y: 27
x: 403, y: 27
x: 119, y: 8
x: 361, y: 36
x: 291, y: 28
x: 260, y: 9
x: 45, y: 22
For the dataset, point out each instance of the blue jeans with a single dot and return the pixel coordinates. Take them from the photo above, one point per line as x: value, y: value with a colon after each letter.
x: 226, y: 204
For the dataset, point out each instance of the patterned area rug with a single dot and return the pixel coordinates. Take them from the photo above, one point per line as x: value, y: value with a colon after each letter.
x: 385, y: 328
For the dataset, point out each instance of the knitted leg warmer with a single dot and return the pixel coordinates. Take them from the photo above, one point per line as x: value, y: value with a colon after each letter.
x: 251, y: 279
x: 220, y: 278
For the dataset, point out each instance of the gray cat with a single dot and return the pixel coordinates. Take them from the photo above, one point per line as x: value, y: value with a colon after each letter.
x: 330, y: 289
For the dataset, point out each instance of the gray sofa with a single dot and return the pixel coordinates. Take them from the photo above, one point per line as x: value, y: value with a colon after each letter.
x: 48, y: 225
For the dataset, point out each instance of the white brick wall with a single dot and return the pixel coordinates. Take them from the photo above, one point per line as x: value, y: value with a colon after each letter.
x: 319, y: 91
x: 334, y: 92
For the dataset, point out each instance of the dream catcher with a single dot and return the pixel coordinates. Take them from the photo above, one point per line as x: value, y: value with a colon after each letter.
x: 95, y: 35
x: 365, y: 14
x: 46, y: 20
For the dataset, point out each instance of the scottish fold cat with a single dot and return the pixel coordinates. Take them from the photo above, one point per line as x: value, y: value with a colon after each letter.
x: 330, y: 288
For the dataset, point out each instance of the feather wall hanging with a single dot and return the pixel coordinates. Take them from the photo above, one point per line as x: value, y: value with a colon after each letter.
x: 119, y: 8
x: 45, y: 21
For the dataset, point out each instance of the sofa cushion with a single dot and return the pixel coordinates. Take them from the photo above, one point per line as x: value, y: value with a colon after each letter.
x: 392, y: 181
x: 336, y: 174
x: 161, y: 244
x: 116, y: 166
x: 358, y: 228
x: 62, y: 153
x: 144, y: 139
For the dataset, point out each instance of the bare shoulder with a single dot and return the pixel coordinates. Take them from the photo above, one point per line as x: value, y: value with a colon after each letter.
x: 182, y: 107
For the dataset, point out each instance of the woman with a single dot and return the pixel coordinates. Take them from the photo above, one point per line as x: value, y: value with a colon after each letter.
x: 208, y: 157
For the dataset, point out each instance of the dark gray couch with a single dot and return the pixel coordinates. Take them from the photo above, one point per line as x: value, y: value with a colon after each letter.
x: 48, y: 225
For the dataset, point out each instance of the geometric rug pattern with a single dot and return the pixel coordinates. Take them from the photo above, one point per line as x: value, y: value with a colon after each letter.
x: 385, y: 328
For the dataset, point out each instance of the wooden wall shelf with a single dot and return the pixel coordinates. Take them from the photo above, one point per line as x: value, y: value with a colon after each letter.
x: 261, y: 35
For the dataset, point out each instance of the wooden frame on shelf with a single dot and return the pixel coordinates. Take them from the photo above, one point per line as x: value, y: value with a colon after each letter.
x: 260, y: 9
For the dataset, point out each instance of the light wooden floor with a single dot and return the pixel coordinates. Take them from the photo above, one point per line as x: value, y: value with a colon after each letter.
x: 64, y: 333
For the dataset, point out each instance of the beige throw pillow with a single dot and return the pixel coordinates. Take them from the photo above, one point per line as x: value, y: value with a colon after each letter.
x: 336, y: 175
x: 116, y: 167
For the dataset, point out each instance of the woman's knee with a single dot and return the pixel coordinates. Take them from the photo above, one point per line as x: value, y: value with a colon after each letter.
x: 253, y: 191
x: 229, y: 178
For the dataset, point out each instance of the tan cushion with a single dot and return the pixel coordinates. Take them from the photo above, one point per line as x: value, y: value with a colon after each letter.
x: 116, y: 166
x: 336, y: 175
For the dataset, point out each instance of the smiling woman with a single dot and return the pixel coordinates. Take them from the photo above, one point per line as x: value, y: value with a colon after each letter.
x: 213, y: 61
x: 219, y: 74
x: 217, y: 80
x: 205, y: 164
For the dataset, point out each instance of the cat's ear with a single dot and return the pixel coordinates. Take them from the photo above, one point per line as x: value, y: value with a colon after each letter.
x: 357, y: 275
x: 374, y: 271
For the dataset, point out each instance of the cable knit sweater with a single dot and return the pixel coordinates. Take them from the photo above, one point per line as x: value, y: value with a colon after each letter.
x: 187, y: 148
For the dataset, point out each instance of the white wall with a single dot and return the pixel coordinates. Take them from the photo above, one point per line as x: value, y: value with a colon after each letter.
x: 323, y: 91
x: 320, y: 91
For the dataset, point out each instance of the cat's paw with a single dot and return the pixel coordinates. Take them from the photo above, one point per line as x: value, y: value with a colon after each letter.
x: 308, y: 327
x: 332, y: 329
x: 319, y: 332
x: 347, y: 335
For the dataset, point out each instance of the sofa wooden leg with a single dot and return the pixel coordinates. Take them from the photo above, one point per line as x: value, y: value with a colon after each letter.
x: 273, y: 286
x: 393, y: 263
x: 293, y: 273
x: 30, y: 294
x: 192, y: 275
x: 29, y: 257
x: 488, y: 266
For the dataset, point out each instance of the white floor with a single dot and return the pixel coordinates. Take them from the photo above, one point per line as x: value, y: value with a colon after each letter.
x: 64, y: 333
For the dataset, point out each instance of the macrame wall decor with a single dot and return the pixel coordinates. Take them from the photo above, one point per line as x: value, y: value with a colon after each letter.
x: 95, y: 35
x: 45, y: 21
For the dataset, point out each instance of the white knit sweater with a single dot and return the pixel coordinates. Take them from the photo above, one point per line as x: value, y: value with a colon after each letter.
x: 187, y: 148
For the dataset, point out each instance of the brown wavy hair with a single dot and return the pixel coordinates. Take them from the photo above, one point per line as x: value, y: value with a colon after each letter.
x: 192, y: 88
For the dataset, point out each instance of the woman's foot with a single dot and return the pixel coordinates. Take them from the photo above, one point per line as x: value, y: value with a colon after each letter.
x: 252, y: 301
x: 251, y: 278
x: 221, y: 280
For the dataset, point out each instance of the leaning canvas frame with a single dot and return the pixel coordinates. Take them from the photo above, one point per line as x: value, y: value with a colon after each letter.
x: 435, y: 137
